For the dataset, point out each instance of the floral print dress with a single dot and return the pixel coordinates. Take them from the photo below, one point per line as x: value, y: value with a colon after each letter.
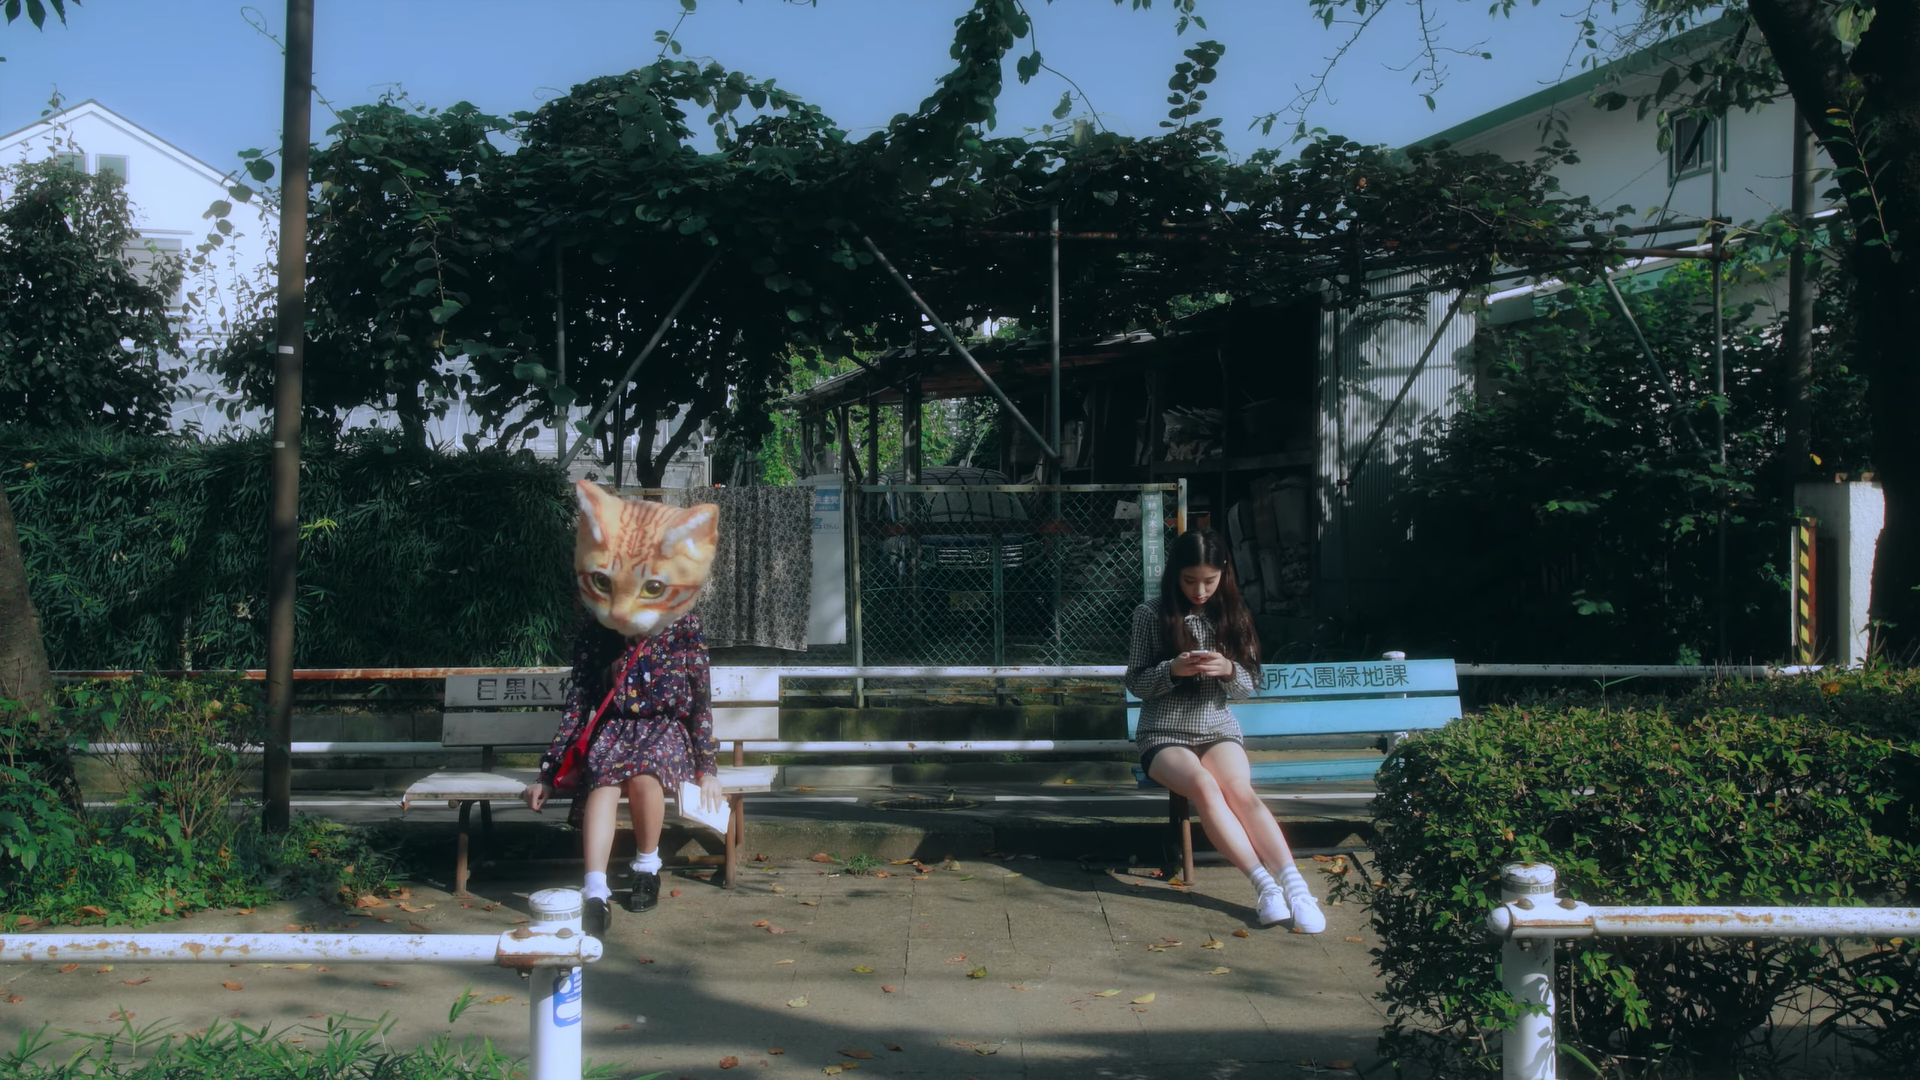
x: 661, y: 719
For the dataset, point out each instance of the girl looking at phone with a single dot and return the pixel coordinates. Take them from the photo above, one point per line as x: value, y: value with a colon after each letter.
x: 1192, y: 649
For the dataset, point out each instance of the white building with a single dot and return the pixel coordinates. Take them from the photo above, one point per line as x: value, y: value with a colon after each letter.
x: 171, y: 192
x: 1621, y: 162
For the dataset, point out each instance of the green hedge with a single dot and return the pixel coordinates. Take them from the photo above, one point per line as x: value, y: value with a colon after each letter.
x: 151, y: 552
x: 1792, y: 792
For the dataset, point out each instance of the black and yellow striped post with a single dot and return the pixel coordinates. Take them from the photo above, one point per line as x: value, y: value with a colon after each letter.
x: 1806, y: 621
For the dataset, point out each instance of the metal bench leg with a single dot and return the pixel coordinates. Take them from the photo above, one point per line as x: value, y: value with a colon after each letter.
x: 486, y: 820
x: 1180, y: 816
x: 736, y: 834
x: 460, y: 860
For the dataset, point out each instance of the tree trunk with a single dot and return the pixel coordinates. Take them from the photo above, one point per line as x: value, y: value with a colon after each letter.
x: 1881, y: 90
x: 24, y: 674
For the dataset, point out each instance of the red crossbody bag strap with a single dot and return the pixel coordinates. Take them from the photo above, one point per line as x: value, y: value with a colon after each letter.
x: 576, y: 755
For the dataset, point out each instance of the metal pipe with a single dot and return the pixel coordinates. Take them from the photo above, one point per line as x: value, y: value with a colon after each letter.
x: 1719, y: 391
x: 1341, y: 244
x: 947, y: 332
x: 283, y: 522
x: 937, y: 746
x: 1659, y: 373
x: 300, y: 749
x: 1546, y: 918
x: 1622, y: 671
x: 1526, y: 972
x: 646, y: 351
x: 1053, y: 356
x: 555, y: 1009
x: 524, y: 948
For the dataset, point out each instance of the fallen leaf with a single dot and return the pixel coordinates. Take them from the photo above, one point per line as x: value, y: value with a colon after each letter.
x: 411, y: 910
x: 823, y: 857
x: 1020, y: 988
x: 888, y: 989
x: 369, y: 902
x: 1242, y: 933
x: 623, y: 1027
x: 1212, y: 943
x: 518, y: 919
x: 776, y: 930
x: 1143, y: 999
x: 779, y: 891
x: 802, y: 787
x: 120, y: 1014
x: 14, y: 999
x: 977, y: 973
x: 385, y: 984
x: 988, y: 1050
x: 68, y: 969
x: 1106, y: 993
x: 957, y: 959
x: 774, y: 1050
x: 323, y: 967
x: 137, y: 982
x: 863, y: 970
x: 1358, y: 941
x: 231, y: 985
x: 896, y: 1048
x: 966, y: 877
x: 777, y: 963
x: 673, y: 892
x: 919, y: 877
x: 383, y: 918
x: 1340, y: 1063
x: 1139, y: 1008
x: 351, y: 923
x: 89, y: 909
x: 797, y: 1003
x: 881, y: 873
x: 809, y: 903
x: 1221, y: 971
x: 103, y: 970
x: 761, y: 924
x: 1323, y: 858
x: 643, y: 959
x: 244, y: 911
x: 420, y: 927
x: 833, y: 1070
x: 501, y: 999
x: 729, y: 1062
x: 860, y: 1054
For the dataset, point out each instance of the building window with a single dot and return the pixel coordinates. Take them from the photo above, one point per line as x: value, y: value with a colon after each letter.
x: 76, y: 162
x: 1696, y: 147
x: 114, y: 165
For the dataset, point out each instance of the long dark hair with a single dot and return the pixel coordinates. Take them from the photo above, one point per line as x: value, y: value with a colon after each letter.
x: 1239, y: 642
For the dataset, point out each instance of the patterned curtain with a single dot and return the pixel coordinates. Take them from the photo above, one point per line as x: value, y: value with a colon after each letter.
x: 761, y: 589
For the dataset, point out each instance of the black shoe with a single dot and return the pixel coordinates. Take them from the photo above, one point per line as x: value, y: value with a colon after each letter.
x: 645, y: 894
x: 595, y: 915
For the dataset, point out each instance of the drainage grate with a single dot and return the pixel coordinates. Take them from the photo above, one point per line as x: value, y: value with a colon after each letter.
x: 918, y: 802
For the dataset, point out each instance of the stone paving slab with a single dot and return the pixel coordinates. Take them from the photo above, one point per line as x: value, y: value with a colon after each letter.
x: 1050, y: 935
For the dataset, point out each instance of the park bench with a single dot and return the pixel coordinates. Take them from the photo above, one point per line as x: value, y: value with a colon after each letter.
x: 1388, y: 698
x: 518, y: 711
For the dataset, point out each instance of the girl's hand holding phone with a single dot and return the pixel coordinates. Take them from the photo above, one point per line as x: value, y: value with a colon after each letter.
x: 1202, y: 662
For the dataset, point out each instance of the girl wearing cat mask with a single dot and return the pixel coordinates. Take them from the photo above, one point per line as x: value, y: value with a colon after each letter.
x: 638, y: 719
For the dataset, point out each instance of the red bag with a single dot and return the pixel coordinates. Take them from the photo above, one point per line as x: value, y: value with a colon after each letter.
x: 568, y: 775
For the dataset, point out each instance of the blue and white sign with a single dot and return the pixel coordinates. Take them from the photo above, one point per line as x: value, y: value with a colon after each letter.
x: 566, y: 998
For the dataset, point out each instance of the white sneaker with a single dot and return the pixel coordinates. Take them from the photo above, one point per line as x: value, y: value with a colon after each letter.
x: 1307, y: 916
x: 1271, y: 906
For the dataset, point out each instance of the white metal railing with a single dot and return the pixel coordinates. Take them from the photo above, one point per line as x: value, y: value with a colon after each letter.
x: 551, y: 942
x: 1529, y: 920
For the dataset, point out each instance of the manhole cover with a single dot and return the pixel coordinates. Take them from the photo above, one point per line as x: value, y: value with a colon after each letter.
x: 918, y: 802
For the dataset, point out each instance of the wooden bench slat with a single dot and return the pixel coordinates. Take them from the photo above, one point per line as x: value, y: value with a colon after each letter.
x: 1296, y: 772
x: 1270, y: 718
x: 460, y: 785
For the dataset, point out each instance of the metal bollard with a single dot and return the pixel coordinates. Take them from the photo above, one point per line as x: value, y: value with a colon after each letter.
x: 1526, y: 972
x: 555, y: 1017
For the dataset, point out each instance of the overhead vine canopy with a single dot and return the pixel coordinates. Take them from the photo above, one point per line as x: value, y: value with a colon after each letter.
x: 430, y: 241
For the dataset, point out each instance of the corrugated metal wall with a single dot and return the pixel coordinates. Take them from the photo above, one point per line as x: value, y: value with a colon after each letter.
x: 1365, y: 357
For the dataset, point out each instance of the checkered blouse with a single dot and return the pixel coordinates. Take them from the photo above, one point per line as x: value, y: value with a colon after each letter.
x: 1179, y: 710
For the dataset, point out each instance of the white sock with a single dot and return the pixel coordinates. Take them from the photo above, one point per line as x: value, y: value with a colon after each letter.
x: 647, y: 862
x: 596, y: 888
x: 1262, y: 880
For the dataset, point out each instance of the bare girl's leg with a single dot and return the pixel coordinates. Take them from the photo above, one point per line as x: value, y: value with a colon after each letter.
x: 597, y: 826
x: 1180, y: 771
x: 647, y: 803
x: 1227, y: 763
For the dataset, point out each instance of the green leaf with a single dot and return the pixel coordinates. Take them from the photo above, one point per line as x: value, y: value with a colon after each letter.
x: 425, y: 286
x: 260, y: 169
x: 563, y: 396
x: 1061, y: 110
x: 444, y: 310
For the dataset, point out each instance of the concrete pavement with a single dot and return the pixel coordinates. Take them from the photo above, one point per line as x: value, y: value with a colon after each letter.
x: 697, y: 981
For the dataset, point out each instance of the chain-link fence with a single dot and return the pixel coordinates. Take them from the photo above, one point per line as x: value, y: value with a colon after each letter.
x: 957, y: 573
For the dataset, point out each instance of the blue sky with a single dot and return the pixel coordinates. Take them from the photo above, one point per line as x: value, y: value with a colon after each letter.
x: 199, y: 75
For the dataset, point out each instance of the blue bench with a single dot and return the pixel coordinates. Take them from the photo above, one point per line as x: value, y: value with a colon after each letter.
x: 1388, y: 698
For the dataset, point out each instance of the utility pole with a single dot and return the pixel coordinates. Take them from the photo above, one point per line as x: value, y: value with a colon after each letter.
x: 1799, y: 328
x: 283, y: 525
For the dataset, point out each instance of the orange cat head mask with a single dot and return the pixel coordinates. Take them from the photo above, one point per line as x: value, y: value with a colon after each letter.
x: 641, y: 565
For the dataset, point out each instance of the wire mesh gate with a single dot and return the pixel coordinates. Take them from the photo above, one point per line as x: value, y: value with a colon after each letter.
x: 1003, y: 574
